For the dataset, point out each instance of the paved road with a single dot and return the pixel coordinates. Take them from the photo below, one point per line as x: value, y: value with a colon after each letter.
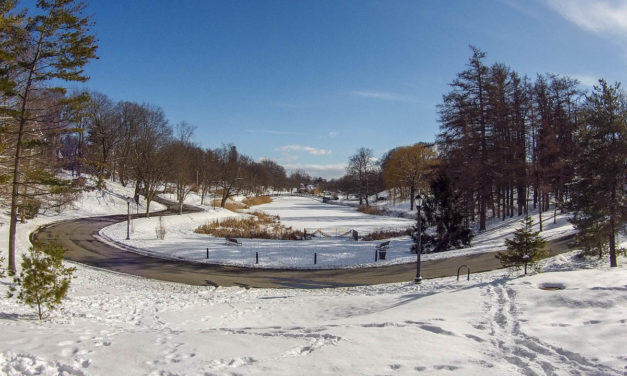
x: 80, y: 238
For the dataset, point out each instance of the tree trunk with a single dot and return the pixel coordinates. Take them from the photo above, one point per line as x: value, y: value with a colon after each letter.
x: 540, y: 206
x: 16, y: 165
x: 612, y: 243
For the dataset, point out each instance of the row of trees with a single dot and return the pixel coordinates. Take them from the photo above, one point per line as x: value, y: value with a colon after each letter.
x: 134, y: 143
x: 44, y: 128
x: 505, y: 138
x: 507, y: 143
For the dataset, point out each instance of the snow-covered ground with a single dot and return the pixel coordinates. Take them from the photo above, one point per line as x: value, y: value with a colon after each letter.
x: 498, y: 323
x: 336, y: 251
x: 495, y: 324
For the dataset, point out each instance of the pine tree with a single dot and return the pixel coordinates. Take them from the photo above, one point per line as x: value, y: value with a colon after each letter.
x: 599, y: 194
x: 444, y: 209
x: 467, y: 134
x: 50, y: 46
x: 527, y: 246
x: 43, y: 281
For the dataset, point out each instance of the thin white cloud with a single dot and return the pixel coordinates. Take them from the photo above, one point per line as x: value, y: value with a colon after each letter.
x: 598, y: 16
x: 586, y: 79
x: 326, y: 171
x: 333, y: 133
x: 381, y: 95
x: 308, y: 149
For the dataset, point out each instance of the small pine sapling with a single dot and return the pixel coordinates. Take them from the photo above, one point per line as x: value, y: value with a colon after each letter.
x: 43, y: 281
x: 526, y: 247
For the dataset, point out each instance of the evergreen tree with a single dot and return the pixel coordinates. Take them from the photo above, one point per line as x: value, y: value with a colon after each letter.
x: 599, y: 190
x: 445, y: 210
x: 50, y: 46
x: 466, y: 136
x: 526, y: 242
x: 43, y: 281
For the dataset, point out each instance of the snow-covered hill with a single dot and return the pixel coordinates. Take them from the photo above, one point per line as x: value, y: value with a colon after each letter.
x: 498, y: 323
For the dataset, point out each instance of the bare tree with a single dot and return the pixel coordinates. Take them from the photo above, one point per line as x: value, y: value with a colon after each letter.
x: 228, y: 172
x: 360, y: 165
x: 131, y: 115
x: 182, y: 162
x: 149, y: 161
x: 104, y: 127
x: 207, y: 172
x: 410, y: 167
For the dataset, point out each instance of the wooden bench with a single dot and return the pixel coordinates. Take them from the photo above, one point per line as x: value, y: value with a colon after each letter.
x: 383, y: 246
x: 232, y: 241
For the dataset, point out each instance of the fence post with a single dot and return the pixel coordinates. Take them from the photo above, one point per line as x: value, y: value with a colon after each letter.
x: 256, y: 257
x: 315, y: 258
x: 376, y: 255
x: 207, y: 253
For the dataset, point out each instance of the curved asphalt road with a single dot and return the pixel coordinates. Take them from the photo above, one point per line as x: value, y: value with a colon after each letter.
x: 80, y: 238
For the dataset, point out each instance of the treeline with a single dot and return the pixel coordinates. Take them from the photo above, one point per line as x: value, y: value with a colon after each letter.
x: 506, y: 145
x: 135, y: 144
x: 43, y: 128
x: 506, y: 140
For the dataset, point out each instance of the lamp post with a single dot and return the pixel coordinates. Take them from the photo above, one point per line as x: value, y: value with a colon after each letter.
x: 418, y: 202
x: 128, y: 221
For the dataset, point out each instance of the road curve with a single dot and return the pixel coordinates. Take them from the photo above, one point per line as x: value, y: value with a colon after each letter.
x: 80, y: 238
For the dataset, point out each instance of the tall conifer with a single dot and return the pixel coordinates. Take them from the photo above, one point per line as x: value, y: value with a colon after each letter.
x: 599, y: 190
x: 51, y: 46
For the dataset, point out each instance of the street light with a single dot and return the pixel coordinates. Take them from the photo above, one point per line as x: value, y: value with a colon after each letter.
x: 418, y: 202
x: 128, y: 222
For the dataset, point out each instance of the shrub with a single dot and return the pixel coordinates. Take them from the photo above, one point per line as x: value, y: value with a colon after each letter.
x: 30, y: 208
x: 257, y: 200
x: 233, y: 206
x: 260, y: 225
x: 2, y: 270
x: 373, y: 210
x: 525, y: 242
x: 43, y: 280
x: 386, y: 234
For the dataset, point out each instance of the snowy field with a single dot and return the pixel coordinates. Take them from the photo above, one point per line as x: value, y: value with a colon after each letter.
x: 498, y: 323
x: 335, y: 251
x: 495, y: 324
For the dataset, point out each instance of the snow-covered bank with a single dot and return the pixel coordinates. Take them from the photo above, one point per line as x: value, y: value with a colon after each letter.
x: 492, y: 325
x: 335, y: 251
x: 89, y: 204
x: 495, y: 324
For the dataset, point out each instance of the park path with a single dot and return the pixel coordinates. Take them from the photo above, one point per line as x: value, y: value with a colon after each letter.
x: 80, y: 238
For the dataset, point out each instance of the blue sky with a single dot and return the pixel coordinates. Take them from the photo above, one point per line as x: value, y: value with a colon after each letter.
x: 306, y: 83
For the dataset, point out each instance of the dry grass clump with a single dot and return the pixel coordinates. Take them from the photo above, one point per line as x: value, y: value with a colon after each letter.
x: 260, y: 225
x: 369, y: 210
x: 232, y: 205
x: 257, y: 200
x: 386, y: 234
